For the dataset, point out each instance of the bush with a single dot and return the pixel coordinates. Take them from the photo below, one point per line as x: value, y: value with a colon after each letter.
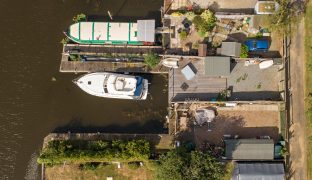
x: 79, y: 17
x: 190, y: 15
x: 89, y: 166
x: 244, y: 51
x: 133, y: 165
x: 183, y: 35
x: 74, y: 57
x: 64, y: 41
x: 152, y: 60
x: 77, y: 151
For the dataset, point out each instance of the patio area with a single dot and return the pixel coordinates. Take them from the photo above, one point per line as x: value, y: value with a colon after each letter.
x: 252, y: 83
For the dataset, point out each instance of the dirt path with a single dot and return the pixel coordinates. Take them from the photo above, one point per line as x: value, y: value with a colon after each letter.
x: 297, y: 129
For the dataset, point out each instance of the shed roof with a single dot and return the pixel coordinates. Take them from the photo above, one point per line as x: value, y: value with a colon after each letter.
x: 217, y: 66
x: 146, y: 30
x: 249, y: 149
x: 258, y: 170
x: 231, y: 49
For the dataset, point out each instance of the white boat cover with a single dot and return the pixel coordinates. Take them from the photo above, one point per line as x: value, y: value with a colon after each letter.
x: 265, y: 64
x: 204, y: 115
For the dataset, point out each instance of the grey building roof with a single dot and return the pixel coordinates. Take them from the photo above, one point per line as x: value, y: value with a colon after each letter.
x: 258, y: 170
x: 146, y: 30
x: 249, y: 149
x: 231, y: 49
x: 217, y: 66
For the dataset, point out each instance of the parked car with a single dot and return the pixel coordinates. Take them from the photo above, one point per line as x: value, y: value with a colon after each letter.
x: 257, y: 45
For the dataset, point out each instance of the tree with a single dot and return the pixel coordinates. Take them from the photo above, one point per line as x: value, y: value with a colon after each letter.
x: 205, y: 22
x: 199, y: 24
x: 286, y: 15
x: 209, y: 19
x: 203, y: 166
x: 152, y: 60
x: 180, y: 164
x: 171, y: 166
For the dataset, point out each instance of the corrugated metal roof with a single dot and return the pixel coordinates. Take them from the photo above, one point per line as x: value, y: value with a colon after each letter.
x: 249, y: 149
x: 217, y: 66
x: 258, y: 170
x: 231, y: 49
x: 146, y: 30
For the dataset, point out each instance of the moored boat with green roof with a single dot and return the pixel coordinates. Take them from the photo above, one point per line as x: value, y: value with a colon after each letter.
x: 140, y: 33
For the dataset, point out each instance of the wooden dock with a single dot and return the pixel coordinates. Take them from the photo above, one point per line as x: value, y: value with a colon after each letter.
x: 108, y: 65
x: 111, y: 49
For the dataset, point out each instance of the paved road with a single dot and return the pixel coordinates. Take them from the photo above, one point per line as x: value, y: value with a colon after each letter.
x: 298, y: 126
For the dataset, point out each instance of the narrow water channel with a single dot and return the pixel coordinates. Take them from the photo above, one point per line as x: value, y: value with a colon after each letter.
x: 35, y: 99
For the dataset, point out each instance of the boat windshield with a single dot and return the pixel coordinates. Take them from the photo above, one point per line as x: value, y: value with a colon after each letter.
x: 105, y: 84
x: 139, y: 86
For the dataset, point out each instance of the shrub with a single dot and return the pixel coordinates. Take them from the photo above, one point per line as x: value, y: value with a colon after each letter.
x: 64, y: 41
x: 190, y: 15
x: 89, y: 166
x: 244, y: 51
x: 183, y: 35
x: 74, y: 57
x: 152, y: 60
x: 79, y: 17
x: 134, y: 165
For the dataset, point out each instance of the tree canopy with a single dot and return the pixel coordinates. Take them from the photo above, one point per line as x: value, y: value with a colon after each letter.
x: 178, y: 164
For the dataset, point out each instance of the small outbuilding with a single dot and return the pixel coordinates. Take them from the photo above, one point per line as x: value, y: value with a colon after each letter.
x: 232, y: 49
x: 249, y: 149
x: 217, y: 66
x: 258, y: 170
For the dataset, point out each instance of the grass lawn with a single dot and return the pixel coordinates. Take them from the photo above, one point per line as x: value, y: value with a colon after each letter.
x: 73, y: 172
x: 308, y: 79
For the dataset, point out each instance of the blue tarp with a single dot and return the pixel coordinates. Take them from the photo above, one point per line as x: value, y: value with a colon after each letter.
x: 139, y: 86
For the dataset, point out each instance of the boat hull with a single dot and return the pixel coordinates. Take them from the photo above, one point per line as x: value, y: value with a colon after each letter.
x: 94, y: 84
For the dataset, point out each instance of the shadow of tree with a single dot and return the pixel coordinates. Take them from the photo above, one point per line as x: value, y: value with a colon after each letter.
x: 76, y: 126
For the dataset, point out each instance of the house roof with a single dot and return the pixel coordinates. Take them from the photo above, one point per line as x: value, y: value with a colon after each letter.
x: 146, y: 30
x: 258, y: 170
x: 217, y: 66
x: 249, y: 149
x: 231, y: 49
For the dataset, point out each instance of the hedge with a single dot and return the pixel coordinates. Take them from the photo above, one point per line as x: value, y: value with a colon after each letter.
x: 80, y: 151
